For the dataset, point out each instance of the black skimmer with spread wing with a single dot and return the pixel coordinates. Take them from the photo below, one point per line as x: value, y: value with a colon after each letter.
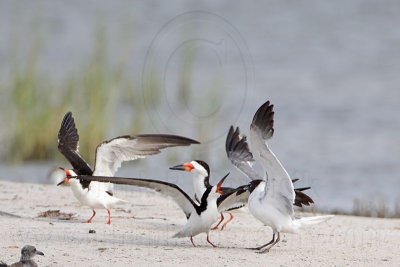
x: 271, y: 197
x: 109, y: 157
x: 201, y: 180
x: 232, y: 198
x: 238, y: 152
x: 200, y: 216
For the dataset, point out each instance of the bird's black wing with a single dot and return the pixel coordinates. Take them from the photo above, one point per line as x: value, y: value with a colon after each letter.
x: 68, y: 145
x: 168, y: 189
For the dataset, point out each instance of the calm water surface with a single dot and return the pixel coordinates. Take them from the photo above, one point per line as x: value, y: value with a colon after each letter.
x: 331, y: 69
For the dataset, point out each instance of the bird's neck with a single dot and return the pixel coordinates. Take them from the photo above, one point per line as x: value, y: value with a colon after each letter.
x: 25, y: 258
x: 76, y: 186
x: 200, y: 184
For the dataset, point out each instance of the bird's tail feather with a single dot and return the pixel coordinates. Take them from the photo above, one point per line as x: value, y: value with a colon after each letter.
x: 305, y: 221
x: 122, y: 201
x: 314, y: 219
x: 179, y: 235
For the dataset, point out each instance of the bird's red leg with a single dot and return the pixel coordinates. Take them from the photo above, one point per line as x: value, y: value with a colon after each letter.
x: 90, y: 220
x: 109, y: 216
x: 191, y: 239
x: 216, y: 227
x: 230, y: 219
x: 208, y: 240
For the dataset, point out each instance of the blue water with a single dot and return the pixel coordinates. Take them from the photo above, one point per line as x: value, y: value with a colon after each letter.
x: 330, y: 67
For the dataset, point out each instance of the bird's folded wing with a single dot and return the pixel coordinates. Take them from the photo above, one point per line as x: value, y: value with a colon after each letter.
x: 236, y: 198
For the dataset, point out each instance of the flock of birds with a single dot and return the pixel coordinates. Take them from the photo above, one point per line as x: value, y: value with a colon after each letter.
x: 270, y: 197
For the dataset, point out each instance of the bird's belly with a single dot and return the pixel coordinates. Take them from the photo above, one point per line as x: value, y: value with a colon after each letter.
x: 200, y: 224
x: 81, y: 195
x: 268, y: 215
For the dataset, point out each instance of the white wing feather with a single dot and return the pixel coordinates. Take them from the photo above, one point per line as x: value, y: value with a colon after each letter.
x: 110, y: 154
x: 239, y: 154
x: 279, y: 189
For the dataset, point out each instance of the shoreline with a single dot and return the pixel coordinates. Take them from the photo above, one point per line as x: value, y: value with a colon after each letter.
x: 141, y: 235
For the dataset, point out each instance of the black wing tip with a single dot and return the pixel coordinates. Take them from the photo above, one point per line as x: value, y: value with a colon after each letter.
x: 68, y: 121
x: 67, y: 117
x: 180, y: 140
x: 266, y: 110
x: 264, y: 119
x: 68, y: 136
x: 237, y: 143
x: 303, y: 188
x: 302, y: 199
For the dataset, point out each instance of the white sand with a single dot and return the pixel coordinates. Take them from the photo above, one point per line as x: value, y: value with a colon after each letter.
x: 140, y: 235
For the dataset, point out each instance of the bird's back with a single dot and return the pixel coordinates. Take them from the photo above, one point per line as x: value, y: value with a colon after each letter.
x: 28, y: 263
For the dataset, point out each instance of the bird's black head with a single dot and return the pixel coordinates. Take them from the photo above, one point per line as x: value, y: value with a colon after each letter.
x: 253, y: 184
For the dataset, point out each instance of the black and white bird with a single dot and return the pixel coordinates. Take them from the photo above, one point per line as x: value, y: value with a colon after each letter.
x: 109, y: 157
x: 201, y: 181
x: 200, y: 217
x: 27, y: 253
x: 232, y: 198
x: 271, y: 196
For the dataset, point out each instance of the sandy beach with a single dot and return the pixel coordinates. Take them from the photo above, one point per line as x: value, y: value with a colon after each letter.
x: 141, y: 235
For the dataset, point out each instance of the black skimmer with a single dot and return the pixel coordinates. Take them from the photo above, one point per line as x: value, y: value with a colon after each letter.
x: 271, y: 199
x: 201, y: 180
x: 109, y: 157
x: 200, y: 216
x: 27, y: 253
x: 238, y: 152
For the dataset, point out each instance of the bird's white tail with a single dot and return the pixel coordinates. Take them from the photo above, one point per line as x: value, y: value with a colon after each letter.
x: 115, y: 201
x: 305, y: 221
x: 122, y: 201
x: 179, y: 235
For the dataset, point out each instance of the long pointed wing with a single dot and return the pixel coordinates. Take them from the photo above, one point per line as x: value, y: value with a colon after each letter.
x: 301, y: 198
x: 235, y: 199
x: 168, y: 189
x: 110, y: 154
x: 279, y: 187
x: 238, y: 197
x: 68, y: 145
x: 239, y: 154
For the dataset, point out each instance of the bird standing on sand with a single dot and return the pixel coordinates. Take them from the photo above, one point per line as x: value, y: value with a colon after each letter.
x: 201, y: 180
x: 200, y: 217
x: 109, y: 157
x: 27, y: 253
x: 271, y: 199
x: 232, y: 198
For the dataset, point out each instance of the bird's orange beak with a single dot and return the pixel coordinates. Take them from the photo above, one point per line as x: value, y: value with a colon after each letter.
x: 66, y: 179
x: 219, y: 185
x: 187, y: 167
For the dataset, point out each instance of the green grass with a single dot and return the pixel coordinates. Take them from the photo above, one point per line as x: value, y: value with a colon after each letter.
x: 37, y: 104
x: 94, y: 93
